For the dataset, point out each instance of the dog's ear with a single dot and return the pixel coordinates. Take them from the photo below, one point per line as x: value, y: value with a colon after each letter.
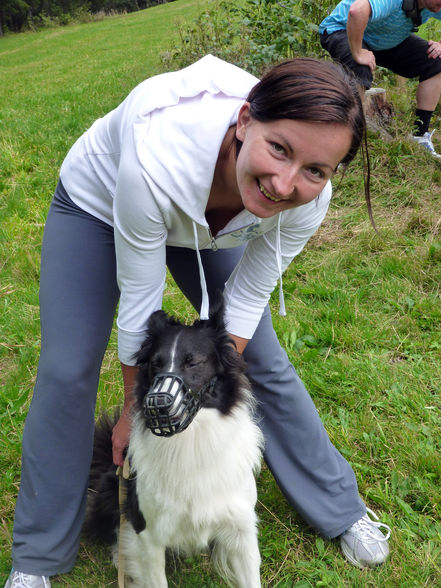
x: 229, y: 360
x: 216, y: 316
x: 156, y: 323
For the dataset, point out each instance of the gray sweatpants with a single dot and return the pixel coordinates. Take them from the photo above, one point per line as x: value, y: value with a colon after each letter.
x: 78, y: 299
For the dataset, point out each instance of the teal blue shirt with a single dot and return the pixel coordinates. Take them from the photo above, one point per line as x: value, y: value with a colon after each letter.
x: 388, y: 26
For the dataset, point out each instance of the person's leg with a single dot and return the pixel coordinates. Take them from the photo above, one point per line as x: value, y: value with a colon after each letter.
x: 410, y: 60
x: 78, y: 297
x: 422, y: 121
x: 312, y: 474
x: 337, y: 45
x: 428, y: 93
x: 427, y: 98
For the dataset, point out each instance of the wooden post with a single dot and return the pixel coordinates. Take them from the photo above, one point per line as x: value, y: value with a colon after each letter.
x: 378, y: 110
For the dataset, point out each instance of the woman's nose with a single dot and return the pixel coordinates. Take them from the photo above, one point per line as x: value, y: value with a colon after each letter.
x: 285, y: 182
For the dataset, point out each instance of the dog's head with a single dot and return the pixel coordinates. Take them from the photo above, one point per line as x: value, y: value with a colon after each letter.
x: 183, y: 368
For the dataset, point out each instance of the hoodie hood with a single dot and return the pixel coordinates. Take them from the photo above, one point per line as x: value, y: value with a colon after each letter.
x: 195, y: 148
x: 191, y: 149
x: 183, y: 164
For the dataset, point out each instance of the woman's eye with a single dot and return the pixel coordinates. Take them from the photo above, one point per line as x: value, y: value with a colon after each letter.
x: 278, y: 148
x: 316, y: 172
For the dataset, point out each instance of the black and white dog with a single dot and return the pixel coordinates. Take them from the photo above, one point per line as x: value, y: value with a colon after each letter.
x: 194, y: 450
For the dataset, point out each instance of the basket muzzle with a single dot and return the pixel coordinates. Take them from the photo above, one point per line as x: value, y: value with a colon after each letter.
x: 170, y: 405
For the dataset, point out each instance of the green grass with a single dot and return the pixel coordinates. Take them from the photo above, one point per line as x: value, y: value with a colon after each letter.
x: 364, y: 310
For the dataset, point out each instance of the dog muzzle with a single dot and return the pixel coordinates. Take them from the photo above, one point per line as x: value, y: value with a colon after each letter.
x: 170, y: 405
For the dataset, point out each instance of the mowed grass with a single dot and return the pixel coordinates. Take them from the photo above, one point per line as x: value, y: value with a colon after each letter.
x: 364, y: 309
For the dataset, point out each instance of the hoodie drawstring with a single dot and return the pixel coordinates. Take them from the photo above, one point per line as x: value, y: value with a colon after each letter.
x: 282, y: 310
x: 205, y: 305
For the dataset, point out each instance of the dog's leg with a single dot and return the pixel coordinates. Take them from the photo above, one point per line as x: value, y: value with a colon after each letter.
x: 146, y: 562
x: 245, y: 563
x: 236, y: 556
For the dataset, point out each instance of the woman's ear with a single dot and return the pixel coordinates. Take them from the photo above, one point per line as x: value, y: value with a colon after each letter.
x: 243, y: 120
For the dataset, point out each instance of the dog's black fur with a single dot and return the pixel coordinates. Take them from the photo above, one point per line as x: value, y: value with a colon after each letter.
x: 205, y: 350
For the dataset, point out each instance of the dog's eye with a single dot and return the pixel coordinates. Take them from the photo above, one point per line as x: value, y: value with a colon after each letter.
x: 192, y: 361
x: 156, y: 363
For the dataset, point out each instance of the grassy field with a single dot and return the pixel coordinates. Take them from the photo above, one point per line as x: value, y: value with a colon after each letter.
x: 364, y: 309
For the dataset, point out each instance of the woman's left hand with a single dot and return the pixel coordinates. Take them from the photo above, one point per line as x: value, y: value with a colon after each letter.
x: 239, y: 342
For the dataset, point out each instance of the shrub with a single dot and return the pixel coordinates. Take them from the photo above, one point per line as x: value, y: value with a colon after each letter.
x: 253, y: 35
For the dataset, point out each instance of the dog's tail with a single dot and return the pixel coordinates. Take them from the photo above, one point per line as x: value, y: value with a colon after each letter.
x: 102, y: 514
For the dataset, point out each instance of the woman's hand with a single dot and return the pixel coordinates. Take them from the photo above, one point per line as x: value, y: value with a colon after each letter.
x: 121, y: 436
x: 239, y: 342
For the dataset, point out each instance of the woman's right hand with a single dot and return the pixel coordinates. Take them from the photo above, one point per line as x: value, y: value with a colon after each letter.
x: 121, y: 431
x: 121, y: 436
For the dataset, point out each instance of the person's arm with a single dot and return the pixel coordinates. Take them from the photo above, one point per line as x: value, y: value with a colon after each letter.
x: 249, y: 287
x: 240, y: 342
x: 140, y: 251
x: 358, y: 19
x: 121, y: 431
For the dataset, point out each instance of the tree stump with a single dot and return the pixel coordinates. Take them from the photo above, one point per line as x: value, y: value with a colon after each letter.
x: 378, y: 111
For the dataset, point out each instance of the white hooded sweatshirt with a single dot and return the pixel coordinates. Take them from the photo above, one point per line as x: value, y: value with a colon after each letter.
x: 146, y: 168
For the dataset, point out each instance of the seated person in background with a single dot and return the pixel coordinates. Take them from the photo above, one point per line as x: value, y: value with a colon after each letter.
x: 366, y: 33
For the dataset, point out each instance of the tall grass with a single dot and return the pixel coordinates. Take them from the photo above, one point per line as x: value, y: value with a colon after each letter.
x: 364, y: 310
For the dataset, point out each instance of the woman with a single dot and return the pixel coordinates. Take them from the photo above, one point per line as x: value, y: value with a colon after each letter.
x: 223, y: 179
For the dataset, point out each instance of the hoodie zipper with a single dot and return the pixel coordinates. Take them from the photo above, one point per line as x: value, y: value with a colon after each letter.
x: 213, y: 243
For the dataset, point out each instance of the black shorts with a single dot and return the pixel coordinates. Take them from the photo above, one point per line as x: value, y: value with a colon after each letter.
x: 408, y: 59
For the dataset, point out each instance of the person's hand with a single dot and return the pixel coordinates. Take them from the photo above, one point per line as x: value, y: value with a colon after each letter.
x: 366, y: 57
x: 434, y: 50
x: 120, y: 436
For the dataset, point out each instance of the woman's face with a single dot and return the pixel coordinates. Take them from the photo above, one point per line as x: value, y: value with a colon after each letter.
x: 286, y: 163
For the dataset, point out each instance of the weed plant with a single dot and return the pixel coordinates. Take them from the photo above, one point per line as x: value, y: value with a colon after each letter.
x: 253, y: 34
x: 364, y: 310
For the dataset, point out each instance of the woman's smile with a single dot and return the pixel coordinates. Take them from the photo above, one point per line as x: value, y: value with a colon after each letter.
x: 267, y: 194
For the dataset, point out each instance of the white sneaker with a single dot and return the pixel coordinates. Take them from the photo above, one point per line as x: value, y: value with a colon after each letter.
x: 363, y: 544
x: 20, y: 580
x: 426, y: 142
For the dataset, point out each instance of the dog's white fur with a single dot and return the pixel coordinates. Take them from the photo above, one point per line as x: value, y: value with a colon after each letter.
x: 196, y: 490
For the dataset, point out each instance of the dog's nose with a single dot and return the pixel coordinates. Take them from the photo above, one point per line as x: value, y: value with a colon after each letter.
x: 166, y: 384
